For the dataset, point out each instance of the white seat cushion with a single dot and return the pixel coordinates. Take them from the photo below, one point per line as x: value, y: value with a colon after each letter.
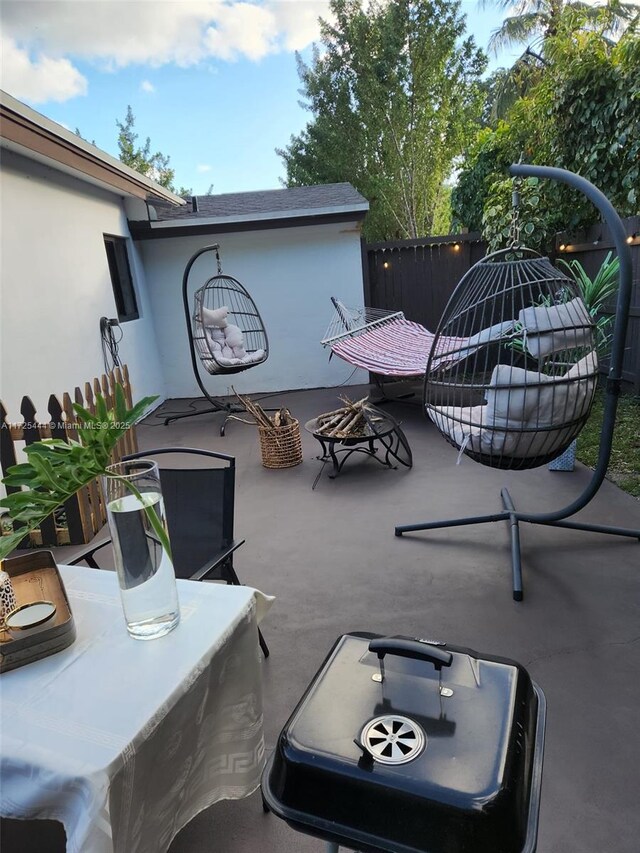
x: 533, y: 419
x: 556, y: 328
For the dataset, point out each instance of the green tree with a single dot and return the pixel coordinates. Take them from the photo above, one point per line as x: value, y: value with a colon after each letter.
x: 584, y: 115
x: 539, y: 20
x: 484, y: 159
x: 77, y: 133
x: 506, y: 85
x: 154, y: 166
x: 595, y: 114
x: 394, y: 94
x: 539, y: 23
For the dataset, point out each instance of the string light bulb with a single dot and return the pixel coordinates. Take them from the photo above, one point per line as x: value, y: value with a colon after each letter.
x: 456, y: 247
x: 562, y: 247
x: 631, y: 238
x: 386, y: 265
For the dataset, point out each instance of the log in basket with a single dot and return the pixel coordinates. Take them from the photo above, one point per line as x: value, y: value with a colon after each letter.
x: 280, y: 440
x: 281, y: 446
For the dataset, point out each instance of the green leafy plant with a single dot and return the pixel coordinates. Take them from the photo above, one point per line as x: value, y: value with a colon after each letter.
x: 55, y: 469
x: 498, y: 214
x: 596, y: 292
x: 581, y: 112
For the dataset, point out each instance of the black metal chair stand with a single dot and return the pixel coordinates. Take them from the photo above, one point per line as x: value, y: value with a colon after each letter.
x: 200, y: 507
x: 560, y: 518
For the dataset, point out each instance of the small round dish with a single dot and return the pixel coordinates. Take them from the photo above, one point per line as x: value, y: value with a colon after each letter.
x: 29, y: 615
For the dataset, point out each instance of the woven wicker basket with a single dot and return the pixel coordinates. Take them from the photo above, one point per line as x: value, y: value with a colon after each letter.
x: 281, y: 447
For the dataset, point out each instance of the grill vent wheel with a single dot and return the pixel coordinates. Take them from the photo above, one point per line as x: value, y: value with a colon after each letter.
x: 392, y: 739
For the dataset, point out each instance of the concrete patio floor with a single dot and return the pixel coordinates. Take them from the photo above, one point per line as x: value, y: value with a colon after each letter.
x: 331, y: 559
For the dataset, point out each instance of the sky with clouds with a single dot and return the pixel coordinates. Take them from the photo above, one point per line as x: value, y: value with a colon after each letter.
x: 214, y: 84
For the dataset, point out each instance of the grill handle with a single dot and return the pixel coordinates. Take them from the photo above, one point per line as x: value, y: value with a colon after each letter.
x: 405, y: 647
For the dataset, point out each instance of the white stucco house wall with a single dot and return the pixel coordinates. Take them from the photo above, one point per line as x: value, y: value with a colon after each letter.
x: 67, y: 207
x: 292, y: 249
x: 59, y: 197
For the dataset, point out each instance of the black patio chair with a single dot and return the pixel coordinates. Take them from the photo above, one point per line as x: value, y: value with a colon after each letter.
x: 199, y: 503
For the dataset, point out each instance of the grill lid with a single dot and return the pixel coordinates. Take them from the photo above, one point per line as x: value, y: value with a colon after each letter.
x: 401, y: 745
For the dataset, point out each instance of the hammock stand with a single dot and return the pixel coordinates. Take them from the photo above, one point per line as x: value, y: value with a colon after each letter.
x: 510, y: 514
x: 220, y: 292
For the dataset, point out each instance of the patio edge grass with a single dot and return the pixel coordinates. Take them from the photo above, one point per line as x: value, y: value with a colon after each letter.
x: 624, y: 465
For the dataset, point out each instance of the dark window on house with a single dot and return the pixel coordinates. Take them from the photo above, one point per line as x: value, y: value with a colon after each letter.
x: 121, y: 280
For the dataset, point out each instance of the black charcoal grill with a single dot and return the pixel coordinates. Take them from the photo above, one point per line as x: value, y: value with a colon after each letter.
x: 405, y: 745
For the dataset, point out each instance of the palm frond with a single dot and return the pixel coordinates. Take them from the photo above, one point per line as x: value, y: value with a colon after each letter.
x: 515, y: 31
x: 597, y: 292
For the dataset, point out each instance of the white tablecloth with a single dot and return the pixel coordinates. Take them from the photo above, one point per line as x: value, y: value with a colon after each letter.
x: 124, y: 741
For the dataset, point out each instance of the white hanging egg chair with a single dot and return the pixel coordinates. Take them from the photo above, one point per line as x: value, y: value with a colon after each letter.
x: 228, y: 331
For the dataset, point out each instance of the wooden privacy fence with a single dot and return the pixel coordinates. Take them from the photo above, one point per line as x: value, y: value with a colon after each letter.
x: 591, y: 249
x: 418, y: 276
x: 83, y: 515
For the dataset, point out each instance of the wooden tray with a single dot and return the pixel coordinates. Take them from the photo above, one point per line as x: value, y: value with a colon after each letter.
x: 35, y: 577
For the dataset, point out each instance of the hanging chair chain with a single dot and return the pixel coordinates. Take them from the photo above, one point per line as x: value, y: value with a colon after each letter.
x: 218, y: 261
x: 514, y: 229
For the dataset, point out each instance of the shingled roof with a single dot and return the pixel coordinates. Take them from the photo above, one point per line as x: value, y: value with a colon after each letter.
x: 254, y: 210
x: 293, y: 200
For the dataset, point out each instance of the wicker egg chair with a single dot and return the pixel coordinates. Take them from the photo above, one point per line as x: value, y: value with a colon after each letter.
x: 519, y: 401
x: 222, y: 296
x: 226, y: 333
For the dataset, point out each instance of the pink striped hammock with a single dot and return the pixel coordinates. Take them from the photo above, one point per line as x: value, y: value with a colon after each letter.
x: 388, y: 344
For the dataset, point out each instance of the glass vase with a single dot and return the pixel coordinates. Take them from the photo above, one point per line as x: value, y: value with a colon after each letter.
x: 135, y: 511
